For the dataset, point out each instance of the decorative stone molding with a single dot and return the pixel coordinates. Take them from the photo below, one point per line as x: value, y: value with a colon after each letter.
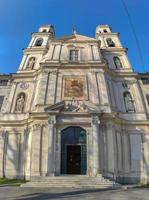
x: 74, y: 106
x: 24, y: 85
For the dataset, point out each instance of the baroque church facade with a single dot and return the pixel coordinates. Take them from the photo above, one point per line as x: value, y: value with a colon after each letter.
x: 75, y: 107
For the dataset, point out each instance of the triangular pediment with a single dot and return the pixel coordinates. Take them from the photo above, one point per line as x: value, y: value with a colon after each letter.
x: 77, y: 37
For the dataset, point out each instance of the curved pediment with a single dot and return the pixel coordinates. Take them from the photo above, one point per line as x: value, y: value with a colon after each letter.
x: 74, y: 106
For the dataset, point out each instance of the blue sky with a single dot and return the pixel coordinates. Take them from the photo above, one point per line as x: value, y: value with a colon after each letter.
x: 19, y: 18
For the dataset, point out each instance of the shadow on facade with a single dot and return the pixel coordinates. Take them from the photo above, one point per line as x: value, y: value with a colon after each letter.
x: 12, y: 156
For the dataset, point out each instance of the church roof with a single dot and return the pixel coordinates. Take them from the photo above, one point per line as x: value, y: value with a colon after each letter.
x: 77, y: 37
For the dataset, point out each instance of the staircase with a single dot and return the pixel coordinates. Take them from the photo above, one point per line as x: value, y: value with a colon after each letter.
x: 68, y: 181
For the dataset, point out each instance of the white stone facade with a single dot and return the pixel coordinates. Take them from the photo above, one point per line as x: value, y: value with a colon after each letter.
x: 75, y: 81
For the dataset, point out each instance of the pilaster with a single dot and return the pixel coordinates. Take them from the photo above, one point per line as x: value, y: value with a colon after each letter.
x: 36, y: 150
x: 93, y: 90
x: 110, y: 148
x: 51, y: 145
x: 103, y: 95
x: 94, y: 167
x: 51, y: 97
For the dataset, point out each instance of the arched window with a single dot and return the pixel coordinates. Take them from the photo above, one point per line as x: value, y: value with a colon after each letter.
x: 31, y: 63
x: 20, y: 103
x: 110, y: 42
x: 105, y: 31
x: 39, y: 42
x: 117, y: 62
x: 129, y: 102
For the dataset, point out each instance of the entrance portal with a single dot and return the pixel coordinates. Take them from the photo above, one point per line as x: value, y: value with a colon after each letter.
x: 73, y: 151
x: 73, y: 159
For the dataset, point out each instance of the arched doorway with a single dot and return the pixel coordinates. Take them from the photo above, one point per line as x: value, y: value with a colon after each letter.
x: 73, y: 151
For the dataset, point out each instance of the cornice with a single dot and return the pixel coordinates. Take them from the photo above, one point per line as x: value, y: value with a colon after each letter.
x: 119, y: 74
x: 113, y: 49
x: 116, y: 119
x: 24, y: 74
x: 38, y: 34
x: 43, y: 116
x: 73, y: 65
x: 39, y: 50
x: 109, y: 34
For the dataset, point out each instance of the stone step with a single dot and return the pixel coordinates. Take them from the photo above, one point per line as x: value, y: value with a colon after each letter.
x: 71, y: 182
x: 91, y: 186
x: 74, y: 181
x: 70, y: 179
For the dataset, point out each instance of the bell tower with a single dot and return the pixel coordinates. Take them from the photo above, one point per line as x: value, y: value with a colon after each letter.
x: 37, y: 47
x: 112, y: 50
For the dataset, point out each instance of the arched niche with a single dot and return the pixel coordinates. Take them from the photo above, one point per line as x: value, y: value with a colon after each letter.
x: 20, y: 103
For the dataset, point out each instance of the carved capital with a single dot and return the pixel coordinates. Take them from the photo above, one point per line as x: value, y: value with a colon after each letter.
x: 39, y: 125
x: 54, y: 72
x: 3, y: 133
x: 27, y: 130
x: 95, y: 120
x: 52, y: 120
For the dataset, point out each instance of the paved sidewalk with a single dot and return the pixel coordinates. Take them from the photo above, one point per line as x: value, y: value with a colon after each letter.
x: 17, y: 193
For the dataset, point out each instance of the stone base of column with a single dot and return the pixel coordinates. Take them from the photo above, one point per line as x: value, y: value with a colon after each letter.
x: 93, y: 173
x: 50, y: 174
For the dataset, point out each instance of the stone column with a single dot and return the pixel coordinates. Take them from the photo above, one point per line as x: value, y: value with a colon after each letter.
x: 28, y: 147
x: 95, y: 146
x: 51, y: 145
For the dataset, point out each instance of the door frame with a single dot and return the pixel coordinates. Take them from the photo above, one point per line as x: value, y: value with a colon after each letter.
x: 58, y: 149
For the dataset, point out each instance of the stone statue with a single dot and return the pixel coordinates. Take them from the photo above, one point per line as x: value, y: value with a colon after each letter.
x: 117, y: 62
x: 31, y: 63
x: 129, y: 103
x: 110, y: 42
x: 20, y: 104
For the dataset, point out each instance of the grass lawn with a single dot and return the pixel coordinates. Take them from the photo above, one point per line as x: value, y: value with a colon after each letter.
x: 4, y: 181
x: 145, y: 185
